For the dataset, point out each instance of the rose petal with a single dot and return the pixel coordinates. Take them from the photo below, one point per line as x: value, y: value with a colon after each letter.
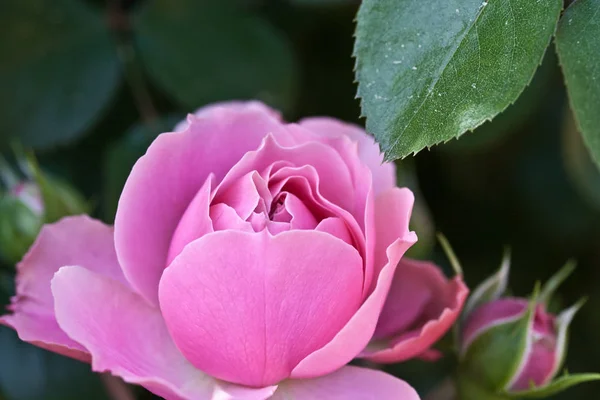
x: 164, y: 181
x: 195, y: 222
x: 384, y: 174
x: 347, y: 383
x: 304, y: 183
x: 421, y: 306
x: 245, y: 195
x: 127, y: 337
x: 430, y: 355
x: 250, y: 314
x: 355, y: 335
x: 392, y: 215
x: 302, y: 218
x: 490, y: 314
x: 336, y: 227
x: 539, y: 366
x: 335, y: 181
x: 224, y: 217
x: 226, y: 107
x: 72, y: 240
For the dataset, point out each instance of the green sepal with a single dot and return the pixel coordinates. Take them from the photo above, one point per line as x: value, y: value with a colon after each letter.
x: 469, y: 389
x: 495, y: 356
x: 491, y: 289
x: 450, y: 254
x: 563, y: 321
x: 458, y: 271
x: 19, y: 226
x: 555, y: 281
x: 558, y: 385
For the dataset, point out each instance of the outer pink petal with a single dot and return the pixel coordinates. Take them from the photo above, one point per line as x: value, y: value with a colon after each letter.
x: 224, y: 107
x: 164, y: 181
x: 408, y: 326
x: 356, y: 334
x: 72, y: 240
x: 247, y: 308
x: 392, y: 216
x: 384, y: 174
x: 347, y: 383
x: 128, y: 337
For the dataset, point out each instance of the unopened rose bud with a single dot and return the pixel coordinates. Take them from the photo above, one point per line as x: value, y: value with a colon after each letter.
x: 27, y: 204
x: 21, y: 217
x: 513, y: 347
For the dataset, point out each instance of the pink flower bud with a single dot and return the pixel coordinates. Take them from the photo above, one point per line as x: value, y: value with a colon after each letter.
x: 29, y: 194
x: 540, y: 360
x: 513, y: 347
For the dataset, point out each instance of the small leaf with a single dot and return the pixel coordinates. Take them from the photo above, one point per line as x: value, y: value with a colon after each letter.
x: 58, y: 71
x: 205, y: 51
x: 490, y: 289
x: 578, y: 45
x: 428, y: 70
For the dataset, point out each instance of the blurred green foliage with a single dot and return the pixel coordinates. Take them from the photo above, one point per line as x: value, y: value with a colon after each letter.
x: 89, y: 83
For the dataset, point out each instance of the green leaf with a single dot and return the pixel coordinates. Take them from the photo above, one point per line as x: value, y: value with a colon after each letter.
x: 58, y: 70
x: 556, y: 386
x: 30, y: 373
x: 428, y: 70
x: 205, y: 51
x: 579, y: 165
x: 578, y: 45
x: 509, y: 123
x: 122, y: 155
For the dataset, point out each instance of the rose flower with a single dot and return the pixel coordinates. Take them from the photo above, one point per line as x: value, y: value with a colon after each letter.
x: 250, y: 259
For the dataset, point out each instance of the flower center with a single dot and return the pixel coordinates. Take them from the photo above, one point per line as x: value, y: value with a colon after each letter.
x: 277, y: 205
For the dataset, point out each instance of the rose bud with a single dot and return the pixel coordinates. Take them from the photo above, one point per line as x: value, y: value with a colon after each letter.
x: 21, y: 217
x: 28, y: 204
x: 513, y: 347
x: 250, y: 258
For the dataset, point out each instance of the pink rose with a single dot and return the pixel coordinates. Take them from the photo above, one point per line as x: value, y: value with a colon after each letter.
x: 250, y: 259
